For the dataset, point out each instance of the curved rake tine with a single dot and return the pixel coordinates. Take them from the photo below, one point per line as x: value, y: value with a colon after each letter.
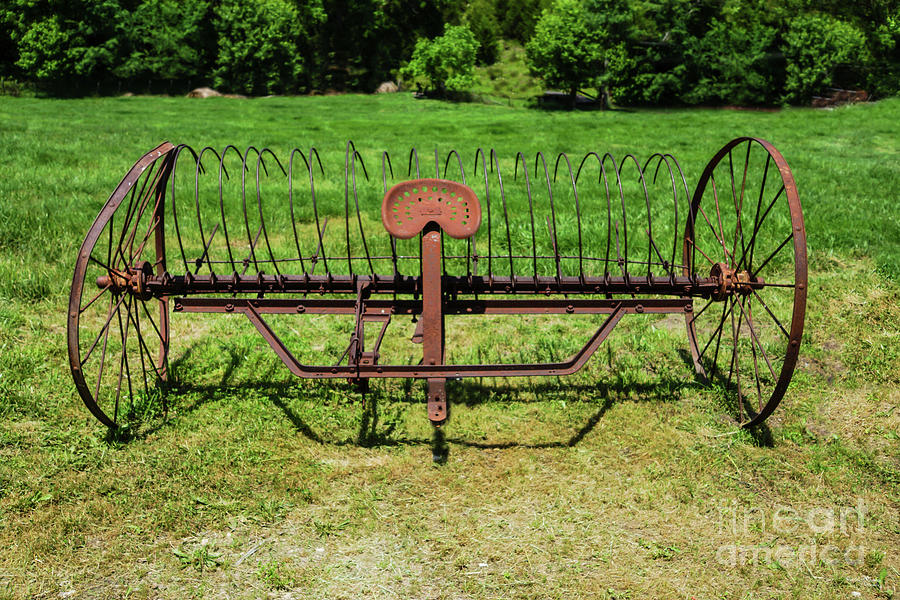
x: 386, y: 160
x: 347, y: 154
x: 577, y: 210
x: 462, y: 171
x: 291, y: 202
x: 362, y: 233
x: 250, y: 240
x: 319, y: 229
x: 659, y: 160
x: 601, y: 178
x: 262, y: 221
x: 207, y: 245
x: 616, y: 169
x: 175, y: 155
x: 687, y: 195
x: 413, y: 153
x: 222, y: 170
x: 553, y: 238
x: 521, y: 156
x: 668, y: 267
x: 470, y: 240
x: 479, y: 153
x: 495, y: 160
x: 437, y: 175
x: 649, y: 217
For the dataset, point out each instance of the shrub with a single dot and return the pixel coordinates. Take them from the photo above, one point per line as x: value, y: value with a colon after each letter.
x: 814, y: 45
x: 65, y: 46
x: 446, y: 63
x: 167, y: 40
x: 733, y: 64
x: 565, y: 51
x: 263, y: 45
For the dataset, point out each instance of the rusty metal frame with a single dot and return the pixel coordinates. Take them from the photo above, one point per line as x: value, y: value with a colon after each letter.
x: 137, y: 284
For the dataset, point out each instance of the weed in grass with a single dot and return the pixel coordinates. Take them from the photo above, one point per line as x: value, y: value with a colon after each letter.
x: 275, y: 575
x: 202, y: 557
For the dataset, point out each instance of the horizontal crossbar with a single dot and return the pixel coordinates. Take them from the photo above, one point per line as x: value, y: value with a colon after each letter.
x: 188, y: 285
x: 316, y: 306
x: 253, y: 309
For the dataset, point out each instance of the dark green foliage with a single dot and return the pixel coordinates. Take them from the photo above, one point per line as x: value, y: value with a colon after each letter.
x: 446, y: 63
x: 263, y: 45
x: 633, y: 51
x: 575, y: 40
x: 732, y: 63
x: 482, y: 20
x: 565, y: 52
x: 814, y: 46
x: 518, y: 18
x: 65, y: 46
x: 167, y: 40
x: 884, y: 42
x: 362, y: 41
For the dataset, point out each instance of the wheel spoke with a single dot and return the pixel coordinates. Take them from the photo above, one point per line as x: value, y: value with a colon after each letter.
x: 705, y: 306
x: 735, y: 361
x: 127, y: 367
x: 109, y: 317
x: 719, y: 218
x: 759, y: 394
x: 108, y: 268
x: 757, y: 228
x: 137, y: 330
x: 771, y: 314
x: 143, y: 345
x: 777, y: 285
x: 122, y: 336
x: 701, y: 252
x: 739, y: 203
x: 762, y: 190
x: 102, y: 358
x: 711, y: 228
x: 771, y: 256
x: 755, y: 338
x: 103, y: 290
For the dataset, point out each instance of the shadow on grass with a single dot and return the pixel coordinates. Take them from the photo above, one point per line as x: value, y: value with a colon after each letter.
x: 761, y: 434
x: 372, y: 432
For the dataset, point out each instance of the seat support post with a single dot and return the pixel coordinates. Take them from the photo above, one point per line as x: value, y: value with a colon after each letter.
x: 433, y: 321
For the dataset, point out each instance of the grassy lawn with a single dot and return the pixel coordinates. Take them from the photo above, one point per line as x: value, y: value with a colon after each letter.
x: 624, y: 481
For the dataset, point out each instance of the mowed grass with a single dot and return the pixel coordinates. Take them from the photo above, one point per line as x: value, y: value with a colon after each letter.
x: 625, y: 481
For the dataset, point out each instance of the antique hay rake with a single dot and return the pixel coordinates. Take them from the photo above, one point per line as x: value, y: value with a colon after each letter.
x: 254, y: 234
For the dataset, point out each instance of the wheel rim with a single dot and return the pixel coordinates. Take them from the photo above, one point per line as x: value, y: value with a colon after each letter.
x: 117, y: 334
x: 745, y: 226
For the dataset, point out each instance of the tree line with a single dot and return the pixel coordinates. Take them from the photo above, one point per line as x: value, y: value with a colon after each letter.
x: 632, y: 51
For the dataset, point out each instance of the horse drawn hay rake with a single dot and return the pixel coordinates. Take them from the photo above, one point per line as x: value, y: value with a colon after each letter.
x: 251, y: 233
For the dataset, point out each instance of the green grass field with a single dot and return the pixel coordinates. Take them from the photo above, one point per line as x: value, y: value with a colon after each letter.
x: 625, y: 481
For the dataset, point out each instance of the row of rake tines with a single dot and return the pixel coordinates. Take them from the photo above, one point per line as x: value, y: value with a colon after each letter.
x: 610, y: 176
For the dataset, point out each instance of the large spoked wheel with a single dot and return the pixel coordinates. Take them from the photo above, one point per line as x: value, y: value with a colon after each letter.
x: 745, y: 230
x: 118, y: 334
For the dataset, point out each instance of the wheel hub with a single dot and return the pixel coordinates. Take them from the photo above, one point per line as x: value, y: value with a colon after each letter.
x: 132, y: 281
x: 731, y: 281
